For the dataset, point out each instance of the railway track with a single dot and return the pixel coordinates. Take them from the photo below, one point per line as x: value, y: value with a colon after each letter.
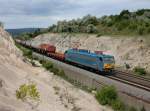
x: 127, y: 78
x: 131, y: 79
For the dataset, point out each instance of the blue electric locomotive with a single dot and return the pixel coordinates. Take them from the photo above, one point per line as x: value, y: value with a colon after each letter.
x: 100, y: 62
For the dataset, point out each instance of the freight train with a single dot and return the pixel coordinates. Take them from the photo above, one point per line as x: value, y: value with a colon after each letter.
x: 92, y: 60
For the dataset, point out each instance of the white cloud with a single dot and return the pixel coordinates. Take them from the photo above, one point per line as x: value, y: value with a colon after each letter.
x: 42, y: 13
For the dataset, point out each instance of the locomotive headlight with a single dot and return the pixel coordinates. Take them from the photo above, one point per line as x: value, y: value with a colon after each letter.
x: 108, y: 66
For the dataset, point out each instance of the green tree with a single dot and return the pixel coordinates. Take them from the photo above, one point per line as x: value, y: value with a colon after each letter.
x: 124, y: 23
x: 91, y: 28
x: 125, y: 14
x: 86, y: 20
x: 141, y: 11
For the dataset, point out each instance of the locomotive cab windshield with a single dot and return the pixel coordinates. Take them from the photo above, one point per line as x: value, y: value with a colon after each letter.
x: 109, y: 59
x: 109, y: 63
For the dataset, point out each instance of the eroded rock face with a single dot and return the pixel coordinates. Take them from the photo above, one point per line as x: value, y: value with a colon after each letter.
x: 127, y: 50
x: 14, y: 72
x: 7, y: 48
x: 5, y: 108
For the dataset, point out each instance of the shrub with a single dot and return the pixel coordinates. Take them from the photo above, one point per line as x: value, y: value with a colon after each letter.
x: 132, y: 109
x: 26, y: 52
x: 141, y: 30
x: 110, y: 23
x: 27, y: 91
x: 41, y: 61
x: 139, y: 70
x: 133, y: 26
x: 140, y: 12
x: 143, y: 109
x: 91, y: 28
x: 33, y: 93
x: 106, y: 95
x: 55, y: 70
x: 51, y: 67
x: 124, y: 12
x: 99, y: 34
x: 118, y: 105
x: 62, y: 73
x: 48, y: 65
x: 22, y: 92
x: 148, y: 29
x: 36, y: 58
x: 29, y: 54
x: 127, y: 66
x: 122, y: 25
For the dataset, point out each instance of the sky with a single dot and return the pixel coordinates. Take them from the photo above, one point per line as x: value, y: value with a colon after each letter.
x: 43, y: 13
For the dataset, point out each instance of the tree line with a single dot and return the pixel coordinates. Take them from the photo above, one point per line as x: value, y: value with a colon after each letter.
x: 125, y: 23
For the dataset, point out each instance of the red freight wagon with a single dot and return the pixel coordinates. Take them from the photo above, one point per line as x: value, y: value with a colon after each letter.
x: 47, y: 48
x: 57, y: 55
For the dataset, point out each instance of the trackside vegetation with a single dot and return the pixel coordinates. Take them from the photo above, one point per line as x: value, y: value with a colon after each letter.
x: 52, y: 68
x: 140, y: 71
x: 59, y: 72
x: 107, y: 95
x: 26, y: 52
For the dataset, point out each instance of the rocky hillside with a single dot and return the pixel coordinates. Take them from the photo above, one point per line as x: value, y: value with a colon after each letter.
x: 134, y: 51
x: 54, y: 92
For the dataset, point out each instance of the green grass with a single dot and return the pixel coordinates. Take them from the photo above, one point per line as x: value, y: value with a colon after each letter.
x: 140, y: 71
x: 118, y: 105
x: 26, y: 52
x: 106, y: 95
x: 27, y: 91
x: 132, y: 109
x: 52, y: 68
